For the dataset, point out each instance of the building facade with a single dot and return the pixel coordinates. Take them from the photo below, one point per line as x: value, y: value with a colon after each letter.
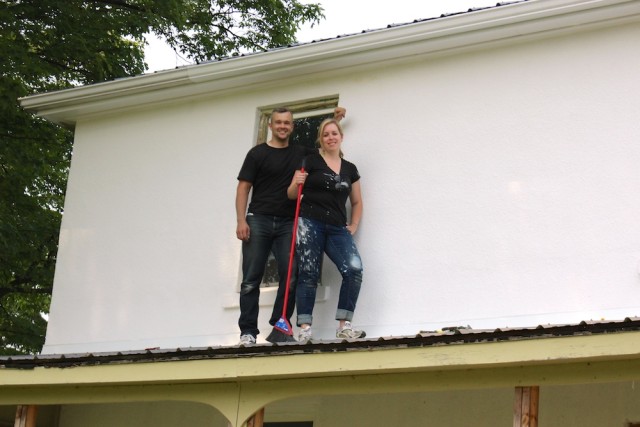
x: 498, y: 153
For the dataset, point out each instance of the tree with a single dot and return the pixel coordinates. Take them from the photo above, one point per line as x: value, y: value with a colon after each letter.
x: 49, y: 45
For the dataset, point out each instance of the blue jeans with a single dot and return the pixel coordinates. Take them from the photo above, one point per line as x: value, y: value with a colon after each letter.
x: 314, y: 238
x: 268, y: 233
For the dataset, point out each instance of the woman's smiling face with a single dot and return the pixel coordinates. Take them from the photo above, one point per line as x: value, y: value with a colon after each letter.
x: 331, y: 138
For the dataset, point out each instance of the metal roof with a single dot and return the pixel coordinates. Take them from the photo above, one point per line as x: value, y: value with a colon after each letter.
x: 364, y: 31
x: 448, y: 336
x: 416, y: 21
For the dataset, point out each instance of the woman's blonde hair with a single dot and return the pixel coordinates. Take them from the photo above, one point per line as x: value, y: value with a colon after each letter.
x: 323, y: 125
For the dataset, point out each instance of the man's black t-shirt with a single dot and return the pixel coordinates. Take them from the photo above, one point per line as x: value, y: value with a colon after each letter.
x: 270, y: 170
x: 325, y: 192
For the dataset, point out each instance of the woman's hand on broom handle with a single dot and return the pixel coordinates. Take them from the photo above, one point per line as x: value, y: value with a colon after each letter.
x: 298, y: 179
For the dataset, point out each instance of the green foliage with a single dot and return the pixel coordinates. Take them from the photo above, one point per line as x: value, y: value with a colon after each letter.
x: 34, y: 159
x: 229, y: 27
x: 49, y: 45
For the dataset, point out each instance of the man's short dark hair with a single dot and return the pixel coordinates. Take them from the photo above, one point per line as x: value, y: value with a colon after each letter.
x: 280, y: 110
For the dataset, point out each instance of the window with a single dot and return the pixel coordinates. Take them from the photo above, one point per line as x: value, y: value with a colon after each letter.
x: 307, y: 116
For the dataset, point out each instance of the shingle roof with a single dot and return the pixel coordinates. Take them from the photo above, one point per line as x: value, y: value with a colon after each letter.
x: 448, y: 336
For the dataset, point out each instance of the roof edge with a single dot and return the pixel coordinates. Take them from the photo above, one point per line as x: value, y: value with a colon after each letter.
x: 452, y: 350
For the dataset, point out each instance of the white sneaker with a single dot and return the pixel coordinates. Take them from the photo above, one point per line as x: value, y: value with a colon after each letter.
x: 349, y: 333
x: 305, y: 334
x: 247, y: 339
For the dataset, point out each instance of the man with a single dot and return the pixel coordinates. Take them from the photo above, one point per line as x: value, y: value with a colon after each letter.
x: 268, y: 222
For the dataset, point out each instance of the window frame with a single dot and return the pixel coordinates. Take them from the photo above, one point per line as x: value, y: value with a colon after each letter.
x: 300, y: 110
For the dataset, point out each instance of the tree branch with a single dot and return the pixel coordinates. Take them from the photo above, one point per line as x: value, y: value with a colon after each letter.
x: 121, y: 4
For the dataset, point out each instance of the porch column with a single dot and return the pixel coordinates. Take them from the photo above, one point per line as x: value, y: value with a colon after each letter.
x: 525, y: 411
x: 257, y: 419
x: 26, y: 416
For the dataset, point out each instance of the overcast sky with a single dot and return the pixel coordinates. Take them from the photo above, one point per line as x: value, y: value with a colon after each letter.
x: 342, y: 17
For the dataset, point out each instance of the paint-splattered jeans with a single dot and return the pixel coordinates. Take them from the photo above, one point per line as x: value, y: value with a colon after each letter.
x: 268, y: 233
x: 314, y: 238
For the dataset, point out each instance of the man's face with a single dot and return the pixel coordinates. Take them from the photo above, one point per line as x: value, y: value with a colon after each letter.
x: 281, y: 126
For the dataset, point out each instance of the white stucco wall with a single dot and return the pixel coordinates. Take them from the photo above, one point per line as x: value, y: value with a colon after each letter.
x: 500, y: 189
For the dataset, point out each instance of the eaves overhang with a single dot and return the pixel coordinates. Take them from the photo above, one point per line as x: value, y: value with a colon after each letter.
x: 461, y: 350
x: 448, y: 34
x: 239, y: 380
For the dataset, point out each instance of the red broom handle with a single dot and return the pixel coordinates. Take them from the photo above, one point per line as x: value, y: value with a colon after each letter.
x: 293, y: 249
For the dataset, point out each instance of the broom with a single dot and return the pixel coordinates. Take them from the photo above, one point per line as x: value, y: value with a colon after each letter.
x: 282, y: 330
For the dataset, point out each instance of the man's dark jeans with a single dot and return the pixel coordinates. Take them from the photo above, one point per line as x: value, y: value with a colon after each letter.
x: 267, y: 233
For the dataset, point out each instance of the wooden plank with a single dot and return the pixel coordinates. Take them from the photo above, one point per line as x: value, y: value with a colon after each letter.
x: 21, y: 413
x: 257, y: 419
x: 26, y: 416
x: 534, y: 399
x: 517, y: 407
x: 525, y: 410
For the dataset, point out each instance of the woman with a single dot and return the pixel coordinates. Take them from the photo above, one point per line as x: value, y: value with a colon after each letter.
x: 328, y: 181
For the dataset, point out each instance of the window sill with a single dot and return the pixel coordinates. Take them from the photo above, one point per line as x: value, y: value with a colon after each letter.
x: 268, y: 297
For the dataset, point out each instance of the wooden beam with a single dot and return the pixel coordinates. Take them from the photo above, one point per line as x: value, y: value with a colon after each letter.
x: 26, y: 416
x: 257, y: 419
x: 525, y: 410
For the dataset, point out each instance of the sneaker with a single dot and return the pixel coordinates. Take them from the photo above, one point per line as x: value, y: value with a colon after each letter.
x: 305, y: 334
x: 247, y: 339
x: 349, y: 333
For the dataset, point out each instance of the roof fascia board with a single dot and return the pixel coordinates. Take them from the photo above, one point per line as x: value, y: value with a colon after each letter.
x: 535, y: 18
x: 251, y: 395
x: 540, y: 352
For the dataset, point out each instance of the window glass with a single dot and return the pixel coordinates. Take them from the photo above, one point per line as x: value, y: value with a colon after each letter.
x: 305, y: 130
x: 307, y: 117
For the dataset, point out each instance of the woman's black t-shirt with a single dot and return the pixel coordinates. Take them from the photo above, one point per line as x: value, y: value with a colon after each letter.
x: 325, y: 193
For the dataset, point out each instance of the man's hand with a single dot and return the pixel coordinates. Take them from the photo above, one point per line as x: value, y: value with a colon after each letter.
x: 242, y: 199
x: 339, y: 113
x: 243, y: 232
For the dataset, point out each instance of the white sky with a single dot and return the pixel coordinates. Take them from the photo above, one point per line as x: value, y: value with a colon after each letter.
x: 341, y: 17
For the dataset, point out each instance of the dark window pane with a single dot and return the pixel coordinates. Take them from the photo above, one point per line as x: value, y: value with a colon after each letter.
x: 271, y: 276
x: 305, y: 130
